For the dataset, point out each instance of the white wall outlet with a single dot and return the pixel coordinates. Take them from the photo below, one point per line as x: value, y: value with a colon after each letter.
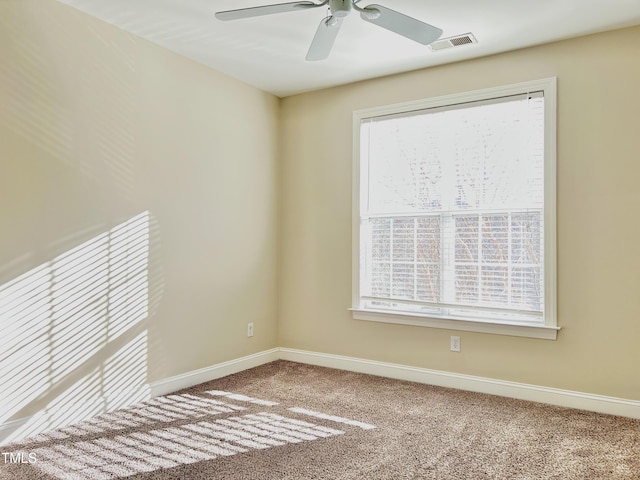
x: 249, y: 329
x: 455, y: 343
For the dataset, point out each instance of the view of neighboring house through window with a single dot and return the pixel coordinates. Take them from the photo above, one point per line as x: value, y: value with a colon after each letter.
x: 454, y: 208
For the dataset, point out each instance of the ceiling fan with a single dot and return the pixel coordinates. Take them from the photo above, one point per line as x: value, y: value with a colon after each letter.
x: 327, y: 32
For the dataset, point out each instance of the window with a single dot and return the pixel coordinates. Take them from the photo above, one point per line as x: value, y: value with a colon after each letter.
x: 454, y: 211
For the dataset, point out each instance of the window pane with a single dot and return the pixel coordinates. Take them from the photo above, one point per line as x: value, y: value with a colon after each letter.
x: 428, y: 288
x: 403, y: 281
x: 403, y: 239
x: 467, y: 230
x: 380, y: 239
x: 381, y: 280
x: 526, y: 287
x: 526, y: 234
x: 495, y: 238
x: 428, y: 258
x: 428, y: 234
x: 467, y: 284
x: 495, y: 285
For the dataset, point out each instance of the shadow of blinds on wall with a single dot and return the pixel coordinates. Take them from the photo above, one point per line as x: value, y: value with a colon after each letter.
x: 74, y: 340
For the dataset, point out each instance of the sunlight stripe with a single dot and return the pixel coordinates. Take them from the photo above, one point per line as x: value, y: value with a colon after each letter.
x: 333, y: 418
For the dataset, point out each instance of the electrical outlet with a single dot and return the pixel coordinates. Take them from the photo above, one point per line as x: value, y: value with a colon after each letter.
x: 249, y: 329
x: 455, y: 343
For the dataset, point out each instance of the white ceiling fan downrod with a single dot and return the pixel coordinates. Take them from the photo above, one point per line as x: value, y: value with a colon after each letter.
x: 342, y: 8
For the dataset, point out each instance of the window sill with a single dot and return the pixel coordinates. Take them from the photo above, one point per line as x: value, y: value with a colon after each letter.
x: 498, y: 328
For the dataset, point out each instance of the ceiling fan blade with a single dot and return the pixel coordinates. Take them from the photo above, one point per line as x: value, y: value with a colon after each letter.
x: 266, y: 10
x: 401, y: 24
x: 324, y: 38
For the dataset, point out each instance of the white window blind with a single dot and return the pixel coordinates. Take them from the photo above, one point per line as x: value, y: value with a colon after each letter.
x: 452, y: 210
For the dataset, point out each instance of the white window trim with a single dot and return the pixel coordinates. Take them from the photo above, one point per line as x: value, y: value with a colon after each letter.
x: 550, y: 328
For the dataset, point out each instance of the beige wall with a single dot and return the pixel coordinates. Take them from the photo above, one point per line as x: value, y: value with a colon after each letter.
x: 97, y: 127
x: 598, y: 230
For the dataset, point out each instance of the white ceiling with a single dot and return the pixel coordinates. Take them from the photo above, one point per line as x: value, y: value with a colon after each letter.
x: 268, y: 52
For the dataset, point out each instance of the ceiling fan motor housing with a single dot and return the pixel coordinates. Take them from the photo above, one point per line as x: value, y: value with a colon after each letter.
x: 340, y: 8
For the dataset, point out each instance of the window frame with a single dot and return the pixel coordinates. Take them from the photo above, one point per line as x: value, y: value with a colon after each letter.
x: 550, y: 328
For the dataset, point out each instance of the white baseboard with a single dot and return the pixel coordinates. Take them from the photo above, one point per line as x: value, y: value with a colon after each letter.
x: 66, y: 414
x: 553, y: 396
x: 50, y: 419
x: 189, y: 379
x: 522, y: 391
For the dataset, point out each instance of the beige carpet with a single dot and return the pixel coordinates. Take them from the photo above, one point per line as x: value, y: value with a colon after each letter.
x: 292, y: 421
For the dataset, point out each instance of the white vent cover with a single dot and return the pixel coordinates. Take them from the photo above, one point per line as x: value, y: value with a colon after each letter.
x: 457, y: 41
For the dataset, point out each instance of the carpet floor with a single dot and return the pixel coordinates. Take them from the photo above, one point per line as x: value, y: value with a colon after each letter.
x: 287, y: 420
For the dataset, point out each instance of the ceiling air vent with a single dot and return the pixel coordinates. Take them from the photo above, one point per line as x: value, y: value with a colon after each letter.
x: 457, y: 41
